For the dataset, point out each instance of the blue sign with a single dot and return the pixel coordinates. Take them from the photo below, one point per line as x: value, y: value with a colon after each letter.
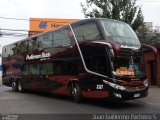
x: 43, y: 24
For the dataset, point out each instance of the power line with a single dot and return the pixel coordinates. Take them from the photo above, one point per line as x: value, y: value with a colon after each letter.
x: 22, y: 19
x: 10, y: 18
x: 147, y: 1
x: 40, y: 19
x: 21, y: 37
x: 13, y: 18
x: 14, y: 29
x: 12, y: 33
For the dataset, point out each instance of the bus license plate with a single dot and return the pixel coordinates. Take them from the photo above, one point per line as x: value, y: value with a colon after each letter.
x: 136, y: 95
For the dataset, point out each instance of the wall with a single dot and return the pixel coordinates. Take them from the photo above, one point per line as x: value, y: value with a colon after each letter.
x: 152, y: 74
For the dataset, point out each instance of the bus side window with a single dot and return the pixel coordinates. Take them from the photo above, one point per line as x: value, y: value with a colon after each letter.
x: 34, y: 69
x: 45, y: 41
x: 23, y: 46
x: 33, y: 44
x: 88, y: 31
x: 61, y: 38
x: 26, y: 69
x: 47, y: 69
x: 29, y: 45
x: 14, y: 49
x: 5, y: 51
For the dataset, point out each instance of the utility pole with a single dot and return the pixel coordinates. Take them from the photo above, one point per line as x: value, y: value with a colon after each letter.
x: 0, y: 33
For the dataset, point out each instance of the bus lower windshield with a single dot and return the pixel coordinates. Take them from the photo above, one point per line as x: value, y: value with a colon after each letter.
x: 131, y: 67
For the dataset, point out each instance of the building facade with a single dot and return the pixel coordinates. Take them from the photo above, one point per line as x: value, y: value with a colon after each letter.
x: 152, y: 65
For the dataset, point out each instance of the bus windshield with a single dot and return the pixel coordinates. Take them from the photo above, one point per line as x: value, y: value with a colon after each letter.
x: 120, y: 32
x: 132, y: 66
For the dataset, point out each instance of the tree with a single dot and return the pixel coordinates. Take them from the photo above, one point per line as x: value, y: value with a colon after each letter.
x: 143, y: 33
x: 154, y: 37
x: 123, y: 10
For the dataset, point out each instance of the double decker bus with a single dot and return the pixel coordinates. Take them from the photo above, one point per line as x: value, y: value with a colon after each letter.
x: 92, y: 58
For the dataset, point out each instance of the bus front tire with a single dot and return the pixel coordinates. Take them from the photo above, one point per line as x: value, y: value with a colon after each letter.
x: 77, y: 93
x: 14, y: 86
x: 20, y: 86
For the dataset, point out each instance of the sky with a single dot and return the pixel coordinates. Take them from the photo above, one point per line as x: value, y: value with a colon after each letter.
x: 25, y: 9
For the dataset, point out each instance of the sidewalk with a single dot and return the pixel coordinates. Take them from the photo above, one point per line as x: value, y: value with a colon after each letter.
x: 153, y: 97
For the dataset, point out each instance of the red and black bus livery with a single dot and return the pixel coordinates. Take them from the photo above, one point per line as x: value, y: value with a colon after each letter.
x: 94, y: 58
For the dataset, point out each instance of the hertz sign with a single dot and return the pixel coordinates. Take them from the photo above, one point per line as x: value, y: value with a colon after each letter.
x: 38, y: 25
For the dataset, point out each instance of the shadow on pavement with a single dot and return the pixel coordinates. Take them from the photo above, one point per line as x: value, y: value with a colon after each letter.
x: 92, y: 102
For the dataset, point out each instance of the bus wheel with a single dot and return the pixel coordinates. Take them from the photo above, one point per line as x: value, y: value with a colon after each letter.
x: 77, y: 93
x: 20, y: 86
x: 69, y: 90
x: 14, y: 85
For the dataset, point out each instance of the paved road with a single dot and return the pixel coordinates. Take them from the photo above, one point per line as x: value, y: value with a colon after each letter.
x: 36, y: 103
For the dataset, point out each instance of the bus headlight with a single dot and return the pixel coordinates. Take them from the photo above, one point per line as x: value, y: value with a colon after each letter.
x: 118, y: 87
x: 145, y: 83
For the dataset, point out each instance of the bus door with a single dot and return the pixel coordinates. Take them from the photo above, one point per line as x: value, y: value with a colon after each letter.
x: 46, y: 80
x: 30, y: 76
x: 54, y: 75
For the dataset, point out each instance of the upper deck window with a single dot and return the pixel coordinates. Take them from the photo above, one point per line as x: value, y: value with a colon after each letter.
x: 14, y: 49
x: 86, y: 32
x: 120, y: 32
x: 23, y: 46
x: 32, y: 44
x: 61, y: 38
x: 45, y: 41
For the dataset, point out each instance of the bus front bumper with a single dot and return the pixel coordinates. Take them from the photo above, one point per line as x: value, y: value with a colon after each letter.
x: 128, y: 95
x: 121, y: 93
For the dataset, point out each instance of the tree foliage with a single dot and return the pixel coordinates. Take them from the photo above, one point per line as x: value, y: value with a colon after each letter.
x: 123, y: 10
x: 143, y: 33
x: 153, y: 37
